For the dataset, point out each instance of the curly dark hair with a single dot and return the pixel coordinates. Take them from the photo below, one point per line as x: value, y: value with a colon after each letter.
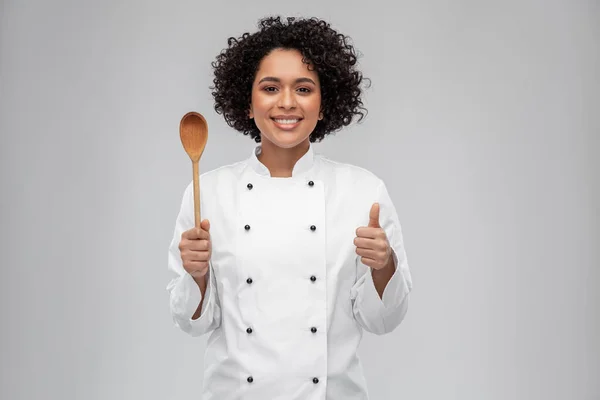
x: 322, y: 48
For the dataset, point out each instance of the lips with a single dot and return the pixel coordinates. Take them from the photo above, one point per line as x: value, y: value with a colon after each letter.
x: 286, y: 122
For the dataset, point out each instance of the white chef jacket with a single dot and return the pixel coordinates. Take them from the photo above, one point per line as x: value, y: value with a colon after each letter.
x: 288, y: 297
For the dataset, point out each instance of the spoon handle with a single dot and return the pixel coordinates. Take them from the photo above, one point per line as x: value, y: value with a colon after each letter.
x: 196, y: 194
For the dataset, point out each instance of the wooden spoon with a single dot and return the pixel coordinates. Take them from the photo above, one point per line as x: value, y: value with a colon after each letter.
x: 193, y: 131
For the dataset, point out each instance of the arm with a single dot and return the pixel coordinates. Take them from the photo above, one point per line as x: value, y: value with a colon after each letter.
x: 380, y: 297
x: 202, y: 285
x: 381, y: 277
x: 194, y: 304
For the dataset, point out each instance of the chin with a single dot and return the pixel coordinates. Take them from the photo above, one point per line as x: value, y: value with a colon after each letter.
x: 286, y: 140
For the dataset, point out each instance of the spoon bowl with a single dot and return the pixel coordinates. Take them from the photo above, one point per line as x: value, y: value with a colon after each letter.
x: 193, y: 131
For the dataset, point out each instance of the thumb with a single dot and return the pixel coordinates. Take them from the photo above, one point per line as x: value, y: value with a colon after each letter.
x: 205, y: 224
x: 374, y: 216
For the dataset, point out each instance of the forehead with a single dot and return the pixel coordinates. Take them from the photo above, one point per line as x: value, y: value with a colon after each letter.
x: 284, y: 64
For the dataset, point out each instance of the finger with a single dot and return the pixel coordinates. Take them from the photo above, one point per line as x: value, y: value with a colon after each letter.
x: 196, y: 234
x: 199, y: 273
x: 368, y: 253
x: 191, y: 255
x: 367, y: 243
x: 198, y: 245
x: 205, y: 225
x: 190, y: 234
x: 374, y: 216
x: 369, y: 262
x: 194, y: 266
x: 374, y: 263
x: 369, y: 232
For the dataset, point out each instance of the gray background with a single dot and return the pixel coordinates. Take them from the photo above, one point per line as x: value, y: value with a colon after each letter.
x: 483, y: 122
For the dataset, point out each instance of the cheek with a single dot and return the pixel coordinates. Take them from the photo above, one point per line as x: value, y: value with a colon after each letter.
x: 255, y: 104
x: 314, y: 106
x: 261, y: 103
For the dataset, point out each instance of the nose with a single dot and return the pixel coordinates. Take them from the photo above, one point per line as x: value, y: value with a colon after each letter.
x: 287, y: 100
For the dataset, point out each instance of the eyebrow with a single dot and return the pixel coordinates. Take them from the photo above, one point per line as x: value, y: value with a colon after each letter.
x: 273, y: 79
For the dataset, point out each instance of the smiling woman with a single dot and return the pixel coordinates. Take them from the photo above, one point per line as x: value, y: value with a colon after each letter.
x: 286, y: 99
x: 301, y: 253
x: 329, y: 61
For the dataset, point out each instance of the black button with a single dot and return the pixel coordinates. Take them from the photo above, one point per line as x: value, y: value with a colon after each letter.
x: 312, y: 227
x: 247, y: 227
x: 311, y: 183
x: 249, y: 330
x: 315, y: 380
x: 313, y: 329
x: 249, y: 281
x: 313, y: 278
x: 250, y: 379
x: 249, y: 186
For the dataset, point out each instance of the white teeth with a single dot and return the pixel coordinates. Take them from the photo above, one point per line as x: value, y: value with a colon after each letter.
x: 286, y: 121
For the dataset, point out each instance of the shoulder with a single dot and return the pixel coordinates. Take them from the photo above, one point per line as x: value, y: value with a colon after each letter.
x: 349, y: 173
x: 226, y: 171
x: 223, y: 174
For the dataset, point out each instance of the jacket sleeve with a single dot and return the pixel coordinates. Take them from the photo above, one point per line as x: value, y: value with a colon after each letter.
x: 184, y: 292
x: 382, y: 315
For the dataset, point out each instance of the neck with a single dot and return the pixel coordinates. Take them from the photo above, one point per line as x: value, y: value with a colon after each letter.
x: 280, y: 161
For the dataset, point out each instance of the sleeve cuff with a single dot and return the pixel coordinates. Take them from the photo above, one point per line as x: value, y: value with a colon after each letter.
x: 393, y: 294
x: 186, y: 297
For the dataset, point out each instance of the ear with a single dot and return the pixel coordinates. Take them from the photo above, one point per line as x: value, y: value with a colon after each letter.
x: 320, y: 116
x: 250, y: 113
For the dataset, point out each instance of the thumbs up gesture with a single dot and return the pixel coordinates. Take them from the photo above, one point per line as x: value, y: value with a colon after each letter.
x: 372, y: 243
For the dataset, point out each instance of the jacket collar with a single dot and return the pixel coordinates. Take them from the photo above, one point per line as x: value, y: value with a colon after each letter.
x: 303, y: 165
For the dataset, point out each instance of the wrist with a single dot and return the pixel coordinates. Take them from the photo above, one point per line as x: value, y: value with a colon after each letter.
x: 201, y: 282
x: 388, y: 270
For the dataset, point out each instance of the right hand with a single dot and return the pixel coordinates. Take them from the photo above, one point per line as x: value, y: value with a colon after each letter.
x: 196, y: 249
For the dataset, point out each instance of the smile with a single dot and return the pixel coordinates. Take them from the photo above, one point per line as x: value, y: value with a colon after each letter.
x: 285, y: 123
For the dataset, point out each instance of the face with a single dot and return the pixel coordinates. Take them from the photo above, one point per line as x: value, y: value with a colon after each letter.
x: 286, y: 99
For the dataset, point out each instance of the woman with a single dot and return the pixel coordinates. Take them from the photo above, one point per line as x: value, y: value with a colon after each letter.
x: 298, y: 254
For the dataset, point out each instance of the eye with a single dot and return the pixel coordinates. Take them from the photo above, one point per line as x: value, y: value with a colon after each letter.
x: 304, y: 90
x: 270, y: 89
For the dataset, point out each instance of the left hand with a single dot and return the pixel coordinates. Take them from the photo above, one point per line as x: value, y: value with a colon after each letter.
x: 372, y: 243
